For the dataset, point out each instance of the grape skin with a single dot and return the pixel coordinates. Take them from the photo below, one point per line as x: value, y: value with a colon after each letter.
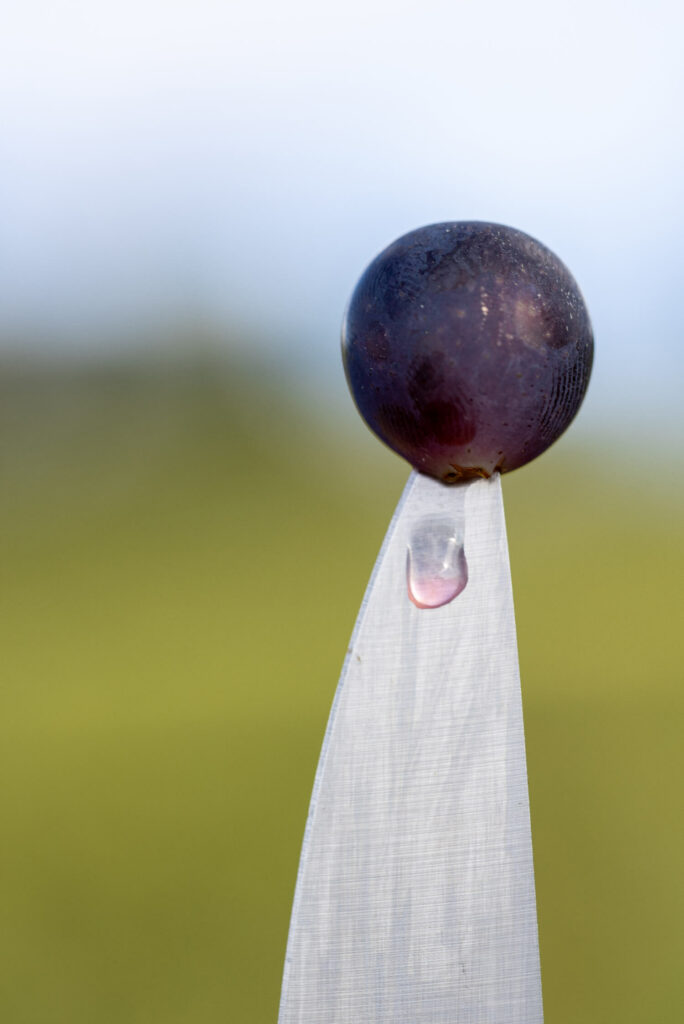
x: 467, y: 348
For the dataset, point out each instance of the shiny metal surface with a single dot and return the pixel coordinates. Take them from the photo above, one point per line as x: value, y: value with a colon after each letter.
x: 415, y: 897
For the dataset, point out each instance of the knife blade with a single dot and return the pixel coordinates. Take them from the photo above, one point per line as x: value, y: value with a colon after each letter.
x: 415, y: 899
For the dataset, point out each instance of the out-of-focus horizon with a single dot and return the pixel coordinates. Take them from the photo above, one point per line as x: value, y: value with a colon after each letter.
x: 237, y: 166
x: 190, y: 506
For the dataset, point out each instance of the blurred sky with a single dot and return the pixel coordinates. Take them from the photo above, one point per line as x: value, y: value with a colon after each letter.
x: 232, y: 164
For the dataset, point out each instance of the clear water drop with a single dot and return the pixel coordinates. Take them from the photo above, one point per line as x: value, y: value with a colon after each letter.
x: 436, y: 566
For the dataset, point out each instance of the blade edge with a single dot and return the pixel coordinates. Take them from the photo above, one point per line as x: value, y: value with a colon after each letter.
x: 415, y: 893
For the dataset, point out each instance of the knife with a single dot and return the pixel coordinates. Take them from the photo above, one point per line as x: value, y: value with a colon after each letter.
x: 415, y: 898
x: 468, y: 350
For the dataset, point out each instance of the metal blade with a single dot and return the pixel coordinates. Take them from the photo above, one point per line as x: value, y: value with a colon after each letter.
x: 415, y: 896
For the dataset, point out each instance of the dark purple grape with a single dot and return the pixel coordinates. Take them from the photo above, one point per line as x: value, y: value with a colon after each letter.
x: 468, y: 348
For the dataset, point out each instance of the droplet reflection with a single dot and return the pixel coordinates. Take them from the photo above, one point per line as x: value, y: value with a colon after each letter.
x: 436, y: 566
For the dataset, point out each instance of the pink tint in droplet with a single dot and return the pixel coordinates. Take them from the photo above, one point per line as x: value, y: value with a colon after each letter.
x: 436, y: 566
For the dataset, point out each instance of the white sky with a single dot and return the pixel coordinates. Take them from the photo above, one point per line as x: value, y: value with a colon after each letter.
x: 244, y: 162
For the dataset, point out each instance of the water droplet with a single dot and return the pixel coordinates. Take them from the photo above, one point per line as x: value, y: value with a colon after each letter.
x: 436, y: 567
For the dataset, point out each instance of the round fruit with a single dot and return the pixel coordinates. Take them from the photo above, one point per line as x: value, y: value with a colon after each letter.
x: 468, y: 348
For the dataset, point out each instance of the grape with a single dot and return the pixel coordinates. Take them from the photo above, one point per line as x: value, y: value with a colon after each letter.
x: 467, y: 348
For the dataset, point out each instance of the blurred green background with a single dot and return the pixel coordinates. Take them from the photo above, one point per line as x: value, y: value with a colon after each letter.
x: 184, y: 549
x: 190, y: 508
